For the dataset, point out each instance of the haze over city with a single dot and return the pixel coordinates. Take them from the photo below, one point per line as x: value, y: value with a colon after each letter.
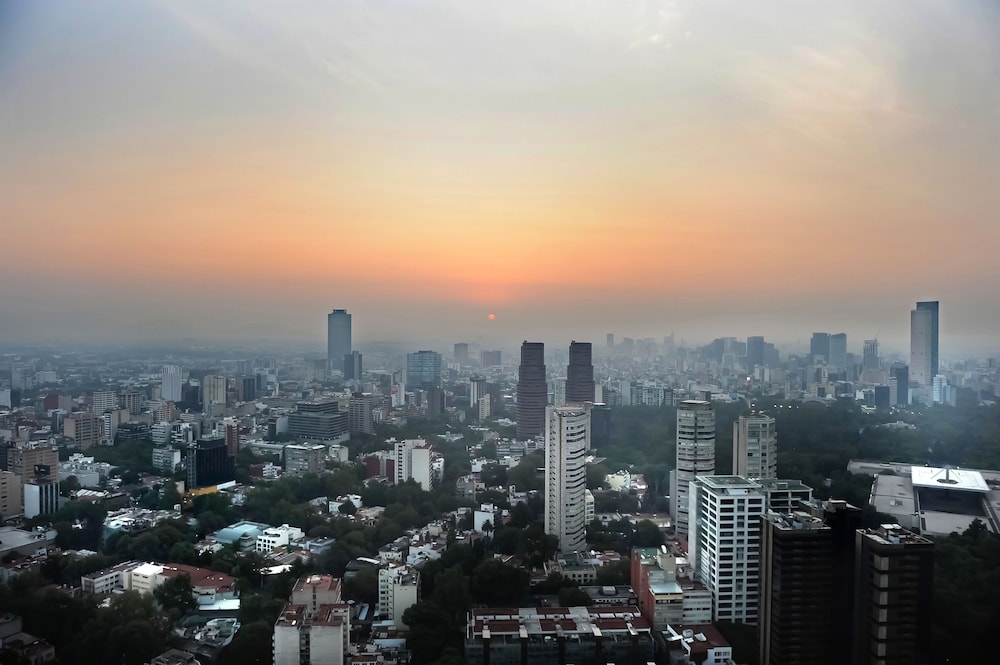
x: 183, y: 170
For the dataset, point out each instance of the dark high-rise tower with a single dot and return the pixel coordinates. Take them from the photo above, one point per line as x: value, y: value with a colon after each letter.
x: 806, y: 575
x: 819, y: 345
x: 338, y: 339
x: 580, y: 374
x: 755, y: 351
x: 892, y: 600
x: 532, y: 392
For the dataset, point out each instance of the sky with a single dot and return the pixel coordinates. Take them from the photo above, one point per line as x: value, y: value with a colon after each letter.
x: 234, y: 170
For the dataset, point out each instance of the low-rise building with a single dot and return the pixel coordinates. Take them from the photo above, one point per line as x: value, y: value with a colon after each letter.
x: 540, y: 636
x: 109, y: 580
x: 315, y: 626
x: 303, y: 458
x: 697, y: 643
x: 398, y: 590
x: 277, y: 536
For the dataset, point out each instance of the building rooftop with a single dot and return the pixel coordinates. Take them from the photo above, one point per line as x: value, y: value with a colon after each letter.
x: 729, y: 482
x: 894, y: 534
x: 796, y: 521
x: 779, y: 484
x: 572, y: 622
x: 699, y: 638
x: 319, y: 582
x: 954, y: 479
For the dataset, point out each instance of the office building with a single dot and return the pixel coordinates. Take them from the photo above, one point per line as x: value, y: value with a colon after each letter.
x: 170, y: 383
x: 558, y: 636
x: 10, y: 495
x: 724, y: 543
x: 246, y: 388
x: 755, y: 447
x: 319, y: 420
x: 892, y: 595
x: 41, y: 497
x: 303, y: 458
x: 600, y: 424
x: 923, y: 347
x: 819, y: 346
x: 461, y: 353
x: 477, y: 388
x: 111, y: 420
x: 870, y: 359
x: 932, y: 306
x: 131, y: 401
x: 580, y: 374
x: 352, y: 367
x: 532, y: 392
x: 315, y: 627
x: 338, y: 339
x: 806, y: 576
x: 33, y: 461
x: 208, y: 463
x: 166, y: 459
x: 899, y: 385
x: 838, y: 351
x: 423, y: 370
x: 84, y: 428
x: 213, y: 391
x: 695, y: 455
x: 414, y: 461
x: 361, y: 413
x: 755, y: 352
x: 610, y: 343
x: 103, y: 400
x: 398, y: 590
x: 490, y: 359
x: 567, y: 439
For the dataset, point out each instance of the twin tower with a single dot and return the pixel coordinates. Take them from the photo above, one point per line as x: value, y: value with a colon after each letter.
x: 533, y: 392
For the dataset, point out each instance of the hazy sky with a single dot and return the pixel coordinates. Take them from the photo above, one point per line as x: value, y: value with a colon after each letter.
x: 234, y: 168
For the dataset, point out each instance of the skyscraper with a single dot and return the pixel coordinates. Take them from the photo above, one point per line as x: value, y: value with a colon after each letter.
x: 755, y: 447
x: 423, y: 370
x: 838, y: 351
x: 725, y: 541
x: 461, y: 352
x: 352, y: 366
x: 695, y: 454
x: 921, y: 347
x: 532, y: 393
x: 338, y: 339
x: 899, y: 381
x: 892, y: 596
x: 819, y: 345
x: 213, y: 391
x: 580, y: 374
x: 170, y: 383
x: 924, y: 343
x: 870, y: 358
x: 567, y: 438
x: 806, y: 575
x: 755, y: 351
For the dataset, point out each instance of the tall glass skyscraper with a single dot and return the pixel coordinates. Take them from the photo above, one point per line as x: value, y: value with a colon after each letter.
x: 423, y: 370
x: 338, y: 339
x: 924, y: 343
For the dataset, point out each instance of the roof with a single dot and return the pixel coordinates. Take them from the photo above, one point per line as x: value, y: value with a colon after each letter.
x: 320, y: 582
x: 953, y: 479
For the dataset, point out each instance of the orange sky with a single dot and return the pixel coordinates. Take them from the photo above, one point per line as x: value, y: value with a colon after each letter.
x: 576, y: 167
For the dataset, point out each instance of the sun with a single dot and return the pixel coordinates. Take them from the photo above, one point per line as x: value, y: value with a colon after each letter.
x: 491, y: 317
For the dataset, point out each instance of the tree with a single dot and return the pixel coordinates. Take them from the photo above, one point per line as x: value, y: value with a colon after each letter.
x: 251, y: 646
x: 431, y: 631
x: 451, y: 592
x: 363, y: 586
x: 347, y: 508
x: 176, y: 593
x: 596, y: 473
x: 494, y: 475
x: 498, y: 583
x: 572, y: 596
x: 647, y: 534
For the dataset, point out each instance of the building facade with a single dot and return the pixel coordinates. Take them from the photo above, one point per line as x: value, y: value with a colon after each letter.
x: 398, y: 590
x: 695, y: 454
x: 532, y: 392
x: 303, y: 458
x: 171, y: 383
x: 567, y: 439
x: 755, y: 447
x: 724, y: 543
x: 580, y: 374
x: 338, y: 339
x: 423, y: 370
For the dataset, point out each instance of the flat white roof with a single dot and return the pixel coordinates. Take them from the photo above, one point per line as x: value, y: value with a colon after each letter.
x: 955, y: 479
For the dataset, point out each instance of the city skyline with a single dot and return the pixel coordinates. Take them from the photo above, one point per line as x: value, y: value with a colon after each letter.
x: 665, y: 166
